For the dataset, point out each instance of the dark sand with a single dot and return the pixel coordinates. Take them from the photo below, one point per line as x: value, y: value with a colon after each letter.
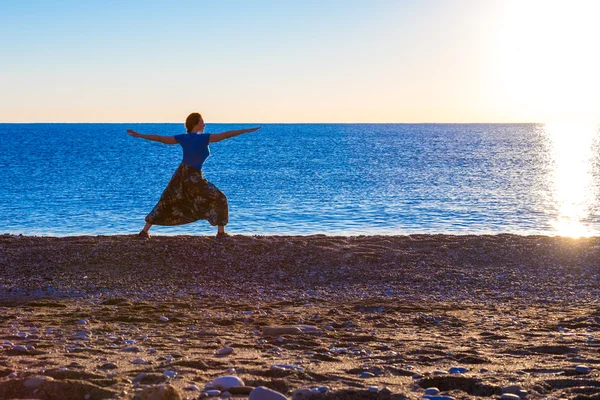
x: 512, y: 310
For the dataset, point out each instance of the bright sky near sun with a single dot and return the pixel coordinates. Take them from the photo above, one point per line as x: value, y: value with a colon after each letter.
x: 300, y: 61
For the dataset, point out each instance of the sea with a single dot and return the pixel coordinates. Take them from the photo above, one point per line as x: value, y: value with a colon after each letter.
x: 302, y: 179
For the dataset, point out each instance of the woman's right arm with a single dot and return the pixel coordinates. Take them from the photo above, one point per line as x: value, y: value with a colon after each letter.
x: 217, y: 137
x: 154, y: 138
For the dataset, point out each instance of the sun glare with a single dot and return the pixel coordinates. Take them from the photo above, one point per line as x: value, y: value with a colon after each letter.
x: 571, y: 179
x: 545, y: 59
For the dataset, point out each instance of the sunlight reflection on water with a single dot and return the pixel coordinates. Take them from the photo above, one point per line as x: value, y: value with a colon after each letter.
x: 571, y: 179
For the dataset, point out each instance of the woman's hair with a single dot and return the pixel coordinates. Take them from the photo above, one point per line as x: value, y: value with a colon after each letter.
x: 191, y: 121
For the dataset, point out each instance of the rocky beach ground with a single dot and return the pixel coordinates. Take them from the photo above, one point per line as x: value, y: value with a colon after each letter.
x: 319, y: 317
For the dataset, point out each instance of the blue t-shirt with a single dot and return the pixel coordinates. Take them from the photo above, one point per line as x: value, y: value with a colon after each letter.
x: 195, y: 148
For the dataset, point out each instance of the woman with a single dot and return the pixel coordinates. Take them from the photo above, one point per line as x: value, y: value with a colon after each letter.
x: 189, y: 197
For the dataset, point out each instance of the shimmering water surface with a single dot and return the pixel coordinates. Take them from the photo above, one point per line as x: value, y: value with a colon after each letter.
x: 71, y: 179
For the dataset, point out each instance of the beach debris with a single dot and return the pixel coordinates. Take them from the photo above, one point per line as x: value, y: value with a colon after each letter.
x: 226, y: 382
x: 263, y: 393
x: 225, y: 351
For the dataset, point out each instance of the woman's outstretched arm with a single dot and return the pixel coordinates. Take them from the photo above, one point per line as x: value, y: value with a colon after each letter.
x: 154, y: 138
x: 217, y: 137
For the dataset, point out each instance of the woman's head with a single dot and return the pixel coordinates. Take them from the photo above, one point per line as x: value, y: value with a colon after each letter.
x: 194, y: 123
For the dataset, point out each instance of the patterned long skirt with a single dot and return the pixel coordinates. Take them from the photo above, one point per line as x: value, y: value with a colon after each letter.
x: 187, y: 198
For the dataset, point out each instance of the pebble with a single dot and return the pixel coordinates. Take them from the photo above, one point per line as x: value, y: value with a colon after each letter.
x: 140, y: 361
x: 582, y: 369
x: 160, y: 392
x: 20, y: 348
x: 439, y: 372
x: 263, y: 393
x: 432, y: 391
x: 83, y: 322
x: 170, y: 374
x: 212, y: 392
x: 131, y: 349
x: 514, y: 389
x: 225, y: 351
x: 457, y: 370
x: 373, y: 389
x: 36, y: 381
x: 287, y: 366
x: 164, y: 319
x: 510, y: 396
x: 226, y: 382
x: 192, y: 388
x: 366, y: 374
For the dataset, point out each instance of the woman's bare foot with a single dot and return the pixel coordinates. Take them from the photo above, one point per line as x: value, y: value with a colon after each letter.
x: 144, y: 234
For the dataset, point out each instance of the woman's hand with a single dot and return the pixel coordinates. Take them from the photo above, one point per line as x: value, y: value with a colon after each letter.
x: 133, y: 133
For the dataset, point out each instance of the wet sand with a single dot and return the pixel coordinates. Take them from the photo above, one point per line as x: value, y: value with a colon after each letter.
x: 92, y: 315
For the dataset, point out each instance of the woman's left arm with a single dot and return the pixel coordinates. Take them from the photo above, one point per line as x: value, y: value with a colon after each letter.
x: 154, y: 138
x: 217, y: 137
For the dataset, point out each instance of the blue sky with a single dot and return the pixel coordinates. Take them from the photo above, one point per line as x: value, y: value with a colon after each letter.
x: 285, y: 61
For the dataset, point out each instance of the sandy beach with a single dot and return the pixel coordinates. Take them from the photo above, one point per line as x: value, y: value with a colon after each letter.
x: 320, y: 317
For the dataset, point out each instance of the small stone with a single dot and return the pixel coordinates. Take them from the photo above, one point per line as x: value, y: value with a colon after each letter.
x: 139, y: 361
x: 511, y: 389
x: 366, y: 374
x: 83, y: 322
x: 164, y: 319
x: 212, y: 392
x: 131, y: 349
x: 263, y: 393
x: 36, y: 381
x: 170, y: 374
x: 323, y: 389
x: 373, y: 389
x: 457, y: 370
x: 439, y: 372
x: 12, y: 375
x: 227, y: 382
x: 432, y: 391
x: 225, y: 351
x: 583, y: 369
x: 20, y: 348
x: 281, y: 330
x: 192, y: 388
x: 509, y: 396
x: 109, y: 366
x: 160, y: 392
x: 288, y: 367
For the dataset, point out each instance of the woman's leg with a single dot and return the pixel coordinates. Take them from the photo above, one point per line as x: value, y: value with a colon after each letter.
x: 146, y: 227
x: 221, y: 230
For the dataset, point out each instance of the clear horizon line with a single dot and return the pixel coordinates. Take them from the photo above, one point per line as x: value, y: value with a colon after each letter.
x: 285, y: 123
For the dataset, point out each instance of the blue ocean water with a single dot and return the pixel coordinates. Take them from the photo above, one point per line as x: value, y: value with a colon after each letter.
x: 72, y: 179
